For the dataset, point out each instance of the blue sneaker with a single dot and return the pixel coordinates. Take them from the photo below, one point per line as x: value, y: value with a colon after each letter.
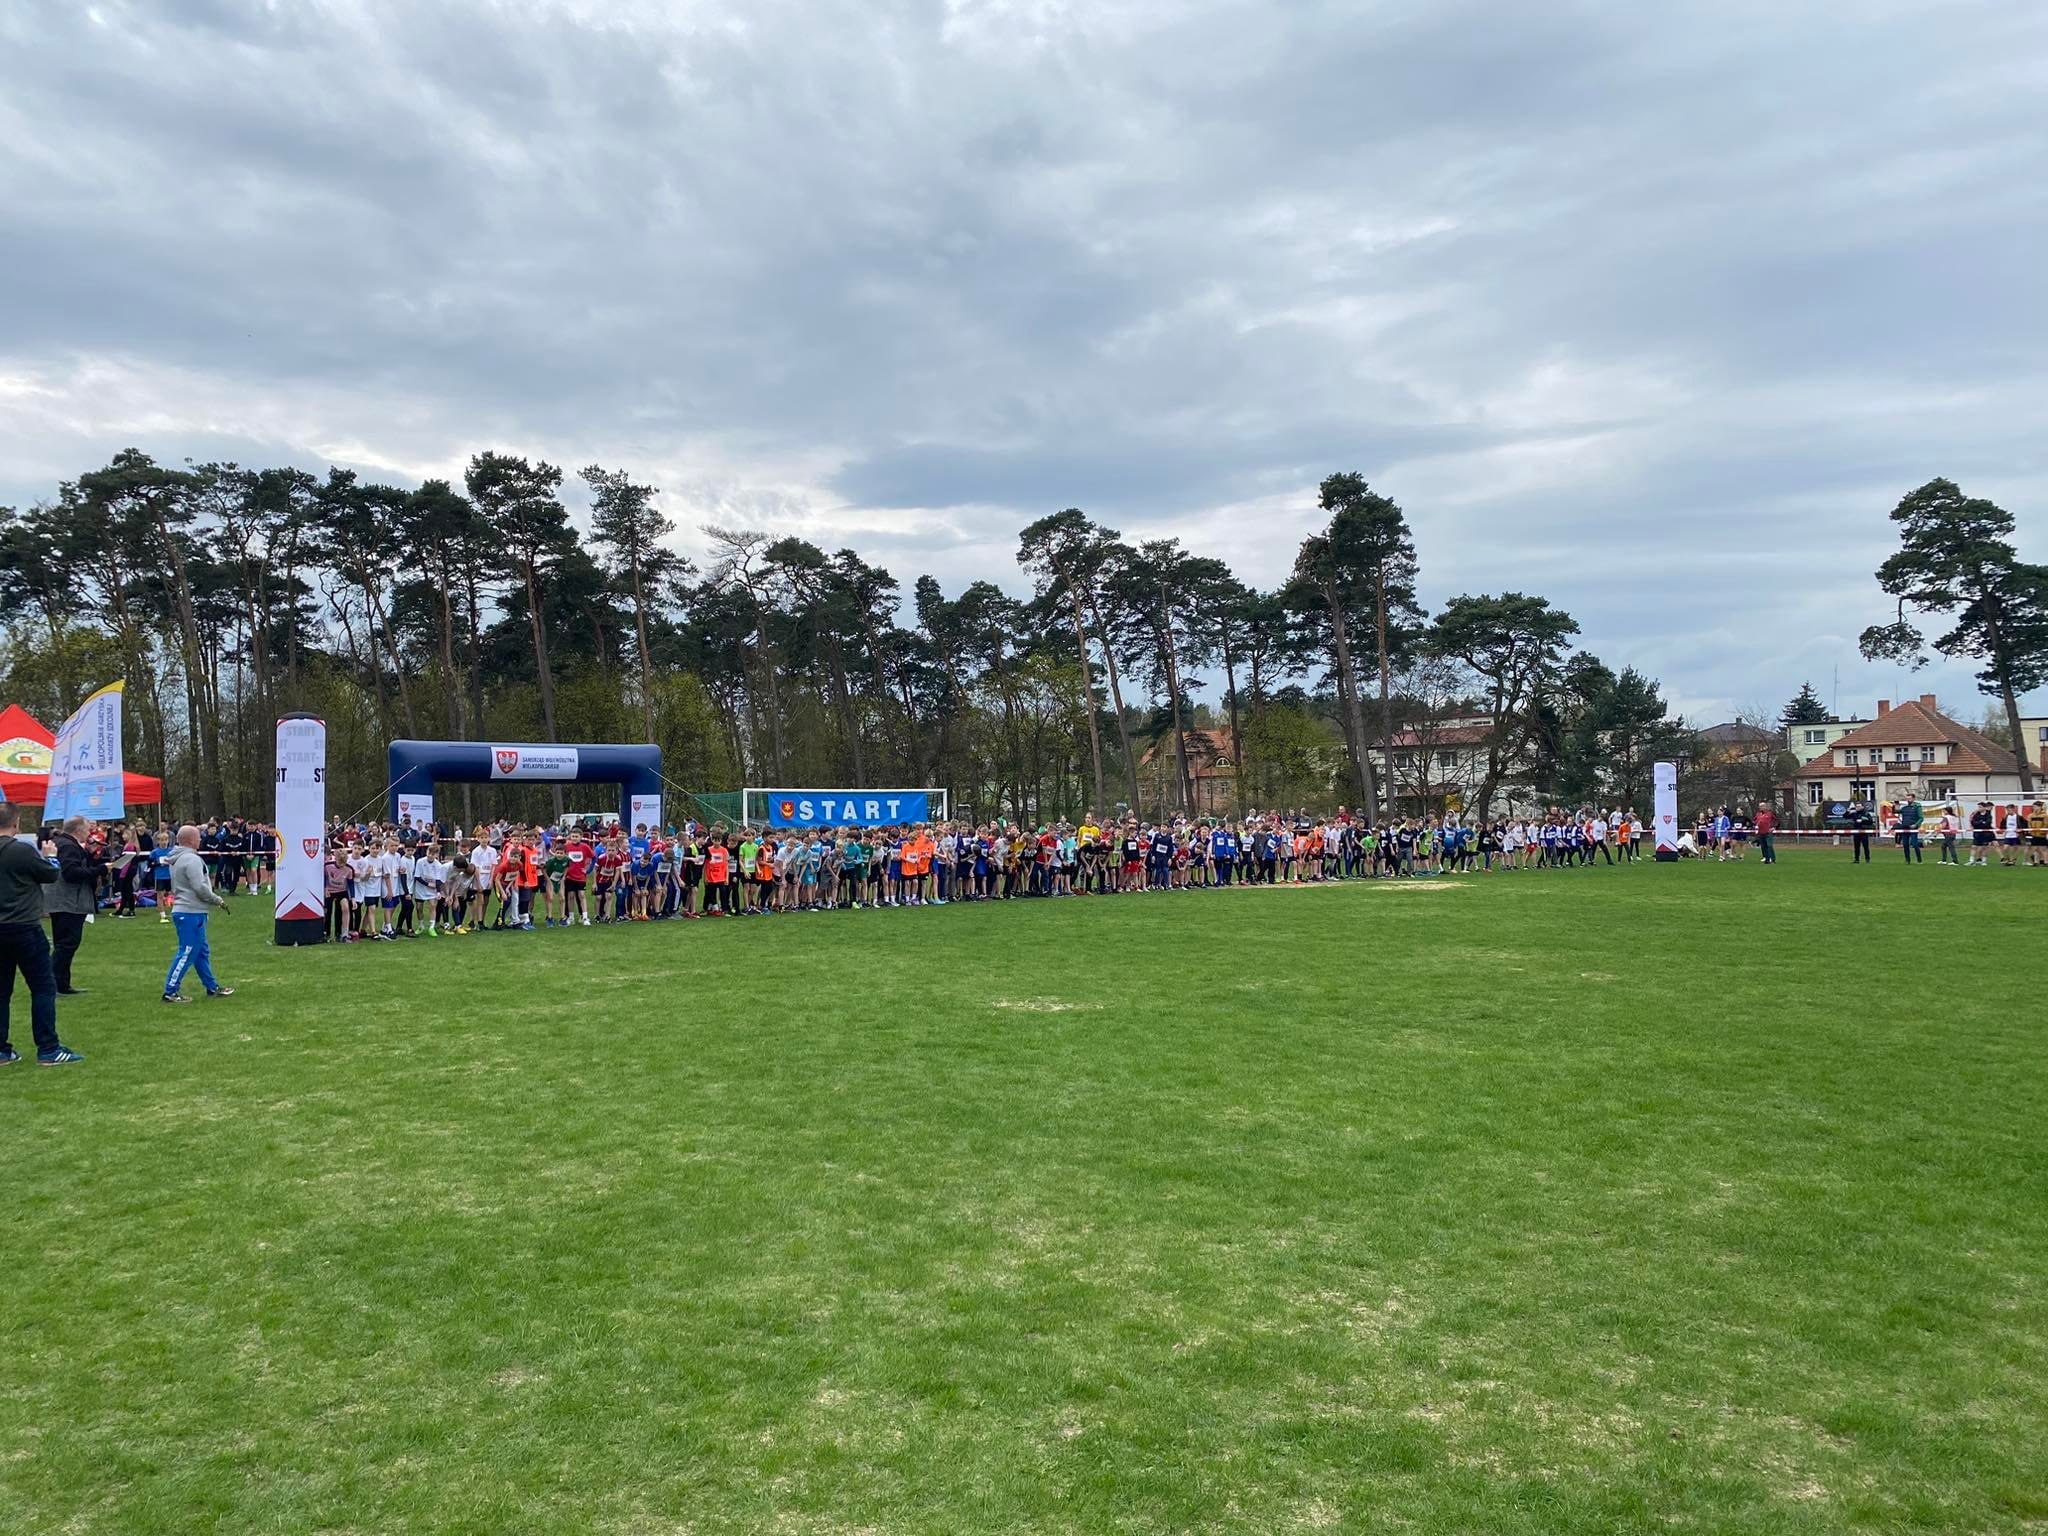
x: 8, y: 1055
x: 63, y: 1056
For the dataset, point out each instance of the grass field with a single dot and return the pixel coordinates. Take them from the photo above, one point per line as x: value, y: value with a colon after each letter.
x: 1686, y: 1198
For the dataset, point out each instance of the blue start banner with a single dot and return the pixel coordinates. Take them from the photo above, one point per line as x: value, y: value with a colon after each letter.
x: 847, y: 808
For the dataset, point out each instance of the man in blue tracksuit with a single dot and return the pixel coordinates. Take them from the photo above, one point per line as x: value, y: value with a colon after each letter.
x: 1161, y: 850
x: 193, y: 900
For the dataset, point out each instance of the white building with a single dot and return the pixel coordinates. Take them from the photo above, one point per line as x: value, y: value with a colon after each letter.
x: 1806, y: 742
x: 1913, y: 749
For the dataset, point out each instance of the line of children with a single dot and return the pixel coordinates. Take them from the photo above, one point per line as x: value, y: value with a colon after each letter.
x: 380, y: 889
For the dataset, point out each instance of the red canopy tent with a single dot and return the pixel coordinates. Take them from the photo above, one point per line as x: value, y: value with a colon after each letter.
x: 25, y: 745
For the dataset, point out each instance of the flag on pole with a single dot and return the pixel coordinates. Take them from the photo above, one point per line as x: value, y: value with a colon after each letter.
x: 85, y: 764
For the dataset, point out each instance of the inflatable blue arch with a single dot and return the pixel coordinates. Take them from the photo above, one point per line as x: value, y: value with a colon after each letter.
x: 417, y: 766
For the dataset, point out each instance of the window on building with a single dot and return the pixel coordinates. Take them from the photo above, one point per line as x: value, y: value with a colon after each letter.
x: 1927, y: 754
x: 1941, y: 789
x: 2044, y: 735
x: 1404, y: 759
x: 1447, y: 759
x: 1902, y: 754
x: 1820, y: 738
x: 1849, y: 757
x: 1816, y: 792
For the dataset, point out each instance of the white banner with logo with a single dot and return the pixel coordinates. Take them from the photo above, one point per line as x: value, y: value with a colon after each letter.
x: 301, y: 819
x: 418, y: 809
x: 1664, y: 776
x: 85, y: 764
x: 646, y: 812
x: 533, y: 762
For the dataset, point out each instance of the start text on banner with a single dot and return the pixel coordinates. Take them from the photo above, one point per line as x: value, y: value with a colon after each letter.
x: 847, y: 808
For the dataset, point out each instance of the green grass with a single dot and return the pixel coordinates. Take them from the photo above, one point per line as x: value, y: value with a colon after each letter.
x: 1693, y: 1198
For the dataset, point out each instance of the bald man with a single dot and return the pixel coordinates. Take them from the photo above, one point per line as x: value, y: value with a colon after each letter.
x: 193, y: 900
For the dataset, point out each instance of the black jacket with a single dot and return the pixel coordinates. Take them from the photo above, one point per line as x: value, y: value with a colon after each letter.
x: 23, y: 874
x: 79, y: 870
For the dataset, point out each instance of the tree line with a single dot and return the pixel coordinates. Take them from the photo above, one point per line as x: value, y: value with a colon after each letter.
x: 227, y: 595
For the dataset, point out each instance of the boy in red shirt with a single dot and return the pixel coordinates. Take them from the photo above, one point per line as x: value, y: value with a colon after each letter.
x: 581, y: 856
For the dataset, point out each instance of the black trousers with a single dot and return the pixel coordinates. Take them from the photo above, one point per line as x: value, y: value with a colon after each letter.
x: 1859, y: 848
x: 24, y: 947
x: 67, y: 932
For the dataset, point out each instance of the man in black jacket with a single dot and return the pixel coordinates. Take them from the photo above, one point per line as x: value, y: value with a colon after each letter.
x: 74, y: 897
x: 24, y: 947
x: 1861, y: 822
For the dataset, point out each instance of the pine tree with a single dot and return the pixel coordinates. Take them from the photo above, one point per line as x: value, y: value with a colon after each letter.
x: 1805, y: 708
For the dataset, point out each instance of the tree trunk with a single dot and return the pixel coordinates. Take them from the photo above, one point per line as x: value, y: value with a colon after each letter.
x: 2000, y: 663
x: 1183, y: 772
x: 1236, y: 736
x: 906, y: 743
x: 837, y: 652
x: 474, y: 603
x: 640, y: 639
x: 1006, y: 692
x: 1116, y: 699
x: 204, y: 722
x: 913, y: 759
x: 382, y: 624
x: 369, y: 665
x: 1488, y: 784
x: 2019, y: 740
x: 1386, y: 675
x: 1354, y: 714
x: 540, y: 662
x: 1088, y: 686
x: 456, y: 682
x: 767, y: 663
x: 291, y: 639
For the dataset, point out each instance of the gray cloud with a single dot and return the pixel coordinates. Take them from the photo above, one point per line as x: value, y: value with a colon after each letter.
x: 1658, y: 311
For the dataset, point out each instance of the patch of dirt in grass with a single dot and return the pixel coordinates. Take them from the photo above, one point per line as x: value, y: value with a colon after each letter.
x: 1417, y: 885
x: 857, y: 1421
x: 1317, y: 1515
x: 1043, y: 1005
x: 1598, y: 976
x: 1371, y: 1319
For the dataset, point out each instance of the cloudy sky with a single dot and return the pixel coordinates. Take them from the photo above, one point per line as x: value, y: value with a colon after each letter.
x: 1656, y: 310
